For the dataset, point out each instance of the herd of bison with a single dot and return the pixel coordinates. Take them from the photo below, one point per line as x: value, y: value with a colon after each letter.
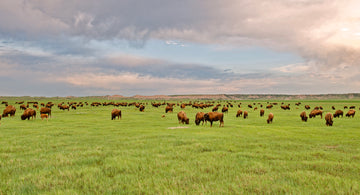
x: 31, y: 108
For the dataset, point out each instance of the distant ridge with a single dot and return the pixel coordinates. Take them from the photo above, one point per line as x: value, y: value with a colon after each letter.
x: 242, y: 97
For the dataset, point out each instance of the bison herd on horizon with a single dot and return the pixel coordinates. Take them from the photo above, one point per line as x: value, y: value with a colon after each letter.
x: 45, y: 110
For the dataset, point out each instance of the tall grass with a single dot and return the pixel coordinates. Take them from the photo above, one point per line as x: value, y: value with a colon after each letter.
x: 84, y: 151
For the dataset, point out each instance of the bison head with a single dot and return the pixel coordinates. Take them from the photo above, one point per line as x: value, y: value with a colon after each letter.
x: 23, y: 117
x: 206, y: 117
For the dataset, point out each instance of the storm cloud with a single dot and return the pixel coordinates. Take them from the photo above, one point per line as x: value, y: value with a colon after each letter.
x: 53, y: 41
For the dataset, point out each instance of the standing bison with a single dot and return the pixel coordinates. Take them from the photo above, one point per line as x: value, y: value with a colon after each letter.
x: 141, y: 108
x: 214, y: 116
x: 45, y: 110
x: 303, y: 116
x: 246, y: 114
x: 350, y: 113
x: 314, y: 113
x: 182, y: 117
x: 199, y: 117
x: 239, y: 113
x: 338, y: 113
x: 270, y: 118
x: 262, y: 112
x: 28, y: 113
x: 329, y: 119
x: 9, y: 110
x: 115, y: 113
x: 169, y: 109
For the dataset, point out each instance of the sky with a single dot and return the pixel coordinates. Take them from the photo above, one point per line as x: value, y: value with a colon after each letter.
x: 171, y: 47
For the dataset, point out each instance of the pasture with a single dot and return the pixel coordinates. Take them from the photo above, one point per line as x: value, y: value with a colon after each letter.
x: 83, y: 151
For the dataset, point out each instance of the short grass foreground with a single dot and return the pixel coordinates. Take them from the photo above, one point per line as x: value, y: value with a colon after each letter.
x: 83, y: 151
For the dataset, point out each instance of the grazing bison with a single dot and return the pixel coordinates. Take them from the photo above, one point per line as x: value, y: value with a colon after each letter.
x: 246, y: 114
x: 182, y: 117
x: 64, y: 107
x: 215, y: 108
x: 44, y: 116
x: 338, y: 113
x: 169, y: 109
x: 352, y: 107
x: 303, y: 116
x: 224, y: 109
x: 199, y: 117
x: 239, y: 113
x: 307, y: 107
x: 9, y: 110
x: 115, y: 113
x: 73, y: 107
x: 333, y: 107
x: 314, y: 113
x: 28, y: 113
x: 250, y: 106
x: 350, y: 113
x: 285, y: 107
x: 262, y: 112
x: 269, y: 106
x: 214, y: 116
x: 22, y: 107
x: 270, y: 118
x: 329, y: 119
x: 45, y: 110
x: 141, y: 108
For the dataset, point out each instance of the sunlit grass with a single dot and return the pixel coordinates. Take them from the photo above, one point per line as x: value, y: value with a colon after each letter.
x: 84, y: 151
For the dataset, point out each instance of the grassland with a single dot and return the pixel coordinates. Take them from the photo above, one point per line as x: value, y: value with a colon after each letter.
x: 84, y: 152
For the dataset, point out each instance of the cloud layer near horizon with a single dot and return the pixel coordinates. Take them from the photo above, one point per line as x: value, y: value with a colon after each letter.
x: 50, y: 44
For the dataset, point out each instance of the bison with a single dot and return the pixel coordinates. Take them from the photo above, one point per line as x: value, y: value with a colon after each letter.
x: 270, y: 118
x: 199, y: 117
x: 350, y: 113
x: 239, y: 113
x: 329, y: 119
x: 141, y: 108
x: 214, y: 116
x: 314, y: 113
x: 246, y: 114
x: 28, y: 113
x: 9, y: 110
x: 182, y: 117
x: 169, y: 109
x: 45, y: 110
x: 262, y: 112
x: 303, y: 116
x: 307, y: 107
x: 115, y: 113
x: 215, y: 108
x: 44, y: 116
x: 224, y: 109
x: 22, y: 107
x: 338, y: 113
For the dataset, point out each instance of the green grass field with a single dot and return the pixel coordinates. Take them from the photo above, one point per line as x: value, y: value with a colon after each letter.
x: 84, y: 152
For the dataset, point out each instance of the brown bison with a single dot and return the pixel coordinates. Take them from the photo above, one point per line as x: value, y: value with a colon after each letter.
x: 215, y: 108
x: 285, y: 107
x: 239, y: 113
x: 314, y: 113
x: 270, y: 118
x: 199, y: 117
x: 44, y: 116
x: 246, y: 114
x: 22, y: 107
x: 224, y: 109
x: 115, y: 113
x: 141, y: 108
x: 182, y: 117
x: 169, y: 109
x: 350, y: 113
x: 28, y: 113
x: 214, y: 116
x: 269, y: 106
x: 262, y: 112
x: 303, y: 116
x: 338, y: 113
x: 329, y: 119
x: 307, y: 107
x: 333, y: 107
x: 9, y: 110
x: 45, y: 110
x: 64, y: 107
